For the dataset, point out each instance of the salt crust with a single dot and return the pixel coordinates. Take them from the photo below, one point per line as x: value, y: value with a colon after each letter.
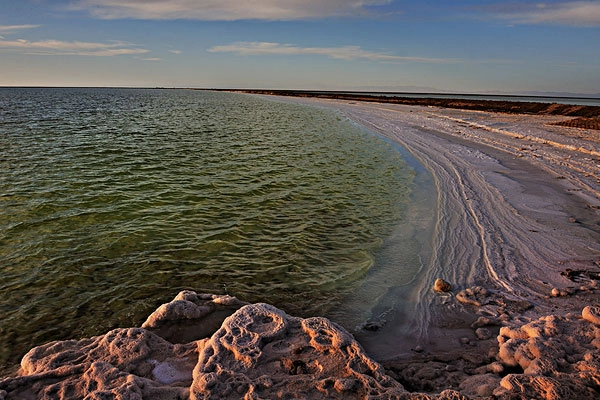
x: 261, y: 352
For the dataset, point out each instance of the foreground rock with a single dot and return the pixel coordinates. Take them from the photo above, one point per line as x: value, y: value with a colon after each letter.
x: 559, y: 357
x: 257, y: 352
x: 262, y: 352
x: 512, y: 356
x: 217, y: 347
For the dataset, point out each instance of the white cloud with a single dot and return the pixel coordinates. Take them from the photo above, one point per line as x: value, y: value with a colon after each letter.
x: 175, y: 51
x: 57, y: 47
x: 576, y: 13
x: 225, y: 10
x: 14, y: 28
x: 340, y: 53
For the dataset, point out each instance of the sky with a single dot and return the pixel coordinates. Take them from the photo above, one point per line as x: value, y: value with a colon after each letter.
x: 506, y: 47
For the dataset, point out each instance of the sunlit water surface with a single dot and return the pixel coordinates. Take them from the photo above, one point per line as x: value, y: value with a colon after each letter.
x: 113, y: 200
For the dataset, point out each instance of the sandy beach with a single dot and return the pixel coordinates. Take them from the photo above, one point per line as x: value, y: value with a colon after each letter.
x: 516, y: 234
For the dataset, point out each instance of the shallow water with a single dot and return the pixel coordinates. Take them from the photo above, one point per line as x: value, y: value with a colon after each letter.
x: 113, y: 200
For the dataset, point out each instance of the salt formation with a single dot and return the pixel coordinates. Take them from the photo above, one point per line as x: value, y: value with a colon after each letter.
x: 558, y: 357
x: 258, y: 351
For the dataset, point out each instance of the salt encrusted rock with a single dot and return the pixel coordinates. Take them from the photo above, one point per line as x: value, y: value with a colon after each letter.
x: 484, y: 321
x: 189, y: 305
x: 262, y: 352
x: 480, y: 385
x: 445, y: 395
x: 441, y: 286
x: 552, y: 351
x: 120, y: 364
x: 191, y: 316
x: 592, y: 314
x: 258, y: 351
x: 483, y: 333
x: 476, y: 296
x: 534, y: 387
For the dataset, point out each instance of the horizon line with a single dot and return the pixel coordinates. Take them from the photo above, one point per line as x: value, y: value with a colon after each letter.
x: 533, y: 93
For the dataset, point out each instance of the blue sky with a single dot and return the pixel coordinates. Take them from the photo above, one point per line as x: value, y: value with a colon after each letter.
x: 459, y: 45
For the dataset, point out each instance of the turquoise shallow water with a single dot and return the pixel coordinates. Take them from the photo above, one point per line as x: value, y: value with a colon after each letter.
x: 113, y: 200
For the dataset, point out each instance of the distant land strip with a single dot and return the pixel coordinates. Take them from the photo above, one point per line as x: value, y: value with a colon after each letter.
x: 588, y: 116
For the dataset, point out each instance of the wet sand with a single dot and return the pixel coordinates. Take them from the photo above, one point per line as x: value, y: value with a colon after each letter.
x: 518, y: 203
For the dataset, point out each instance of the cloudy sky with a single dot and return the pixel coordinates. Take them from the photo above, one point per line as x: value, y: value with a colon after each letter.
x: 459, y: 45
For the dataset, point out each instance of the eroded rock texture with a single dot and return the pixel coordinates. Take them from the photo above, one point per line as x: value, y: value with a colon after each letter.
x: 125, y: 363
x: 558, y: 356
x: 258, y: 351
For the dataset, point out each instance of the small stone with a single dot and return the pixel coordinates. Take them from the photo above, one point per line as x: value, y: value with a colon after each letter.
x: 441, y: 286
x: 483, y: 333
x: 465, y: 340
x: 496, y: 368
x: 418, y: 349
x: 344, y: 385
x: 555, y: 292
x: 484, y: 321
x: 591, y: 314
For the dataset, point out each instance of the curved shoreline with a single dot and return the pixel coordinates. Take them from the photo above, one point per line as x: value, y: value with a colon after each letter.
x: 450, y: 101
x: 508, y: 225
x: 518, y: 204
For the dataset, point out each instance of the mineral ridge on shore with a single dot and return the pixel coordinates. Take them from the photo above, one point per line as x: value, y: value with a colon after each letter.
x: 258, y: 351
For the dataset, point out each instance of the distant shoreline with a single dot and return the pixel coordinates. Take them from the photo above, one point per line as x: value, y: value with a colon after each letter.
x: 584, y: 116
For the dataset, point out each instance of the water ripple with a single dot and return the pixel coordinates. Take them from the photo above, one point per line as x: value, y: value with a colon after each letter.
x: 112, y: 200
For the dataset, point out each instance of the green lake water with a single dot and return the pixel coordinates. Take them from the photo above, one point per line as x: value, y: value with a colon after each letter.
x: 114, y: 200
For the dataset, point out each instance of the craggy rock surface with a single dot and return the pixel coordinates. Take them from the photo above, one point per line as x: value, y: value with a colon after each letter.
x: 511, y: 356
x: 558, y: 357
x: 261, y: 352
x: 257, y: 352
